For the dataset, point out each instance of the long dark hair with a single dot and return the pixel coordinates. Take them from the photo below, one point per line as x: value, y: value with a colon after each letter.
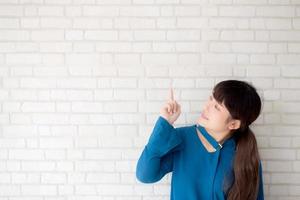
x: 243, y: 103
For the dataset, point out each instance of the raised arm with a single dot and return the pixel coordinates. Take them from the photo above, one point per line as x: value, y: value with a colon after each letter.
x: 157, y: 157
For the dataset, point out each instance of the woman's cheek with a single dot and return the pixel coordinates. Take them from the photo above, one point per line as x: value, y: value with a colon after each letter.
x: 218, y: 120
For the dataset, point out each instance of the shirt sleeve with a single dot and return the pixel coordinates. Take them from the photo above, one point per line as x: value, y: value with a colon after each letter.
x: 261, y: 186
x: 156, y: 159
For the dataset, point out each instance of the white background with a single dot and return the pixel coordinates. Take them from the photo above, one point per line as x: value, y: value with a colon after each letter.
x: 82, y: 82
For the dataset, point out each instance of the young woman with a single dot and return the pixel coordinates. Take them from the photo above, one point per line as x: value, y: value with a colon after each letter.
x: 216, y: 158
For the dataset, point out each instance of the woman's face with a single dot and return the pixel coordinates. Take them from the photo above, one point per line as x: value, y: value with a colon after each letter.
x: 214, y: 116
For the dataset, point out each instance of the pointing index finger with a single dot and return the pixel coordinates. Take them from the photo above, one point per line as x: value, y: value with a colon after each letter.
x: 171, y: 94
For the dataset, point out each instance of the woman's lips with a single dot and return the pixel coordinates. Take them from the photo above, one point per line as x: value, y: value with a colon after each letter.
x: 203, y: 116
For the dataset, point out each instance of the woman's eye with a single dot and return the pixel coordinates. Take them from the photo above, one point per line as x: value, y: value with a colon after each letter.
x: 217, y: 107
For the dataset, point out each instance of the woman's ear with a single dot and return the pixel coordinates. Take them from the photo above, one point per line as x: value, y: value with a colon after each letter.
x: 234, y: 124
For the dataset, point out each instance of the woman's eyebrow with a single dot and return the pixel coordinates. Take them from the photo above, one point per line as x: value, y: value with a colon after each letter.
x: 216, y: 101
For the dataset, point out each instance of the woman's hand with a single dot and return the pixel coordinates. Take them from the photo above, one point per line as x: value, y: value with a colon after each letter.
x: 171, y: 110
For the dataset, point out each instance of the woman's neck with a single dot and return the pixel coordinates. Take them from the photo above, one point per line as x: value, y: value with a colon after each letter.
x: 220, y: 137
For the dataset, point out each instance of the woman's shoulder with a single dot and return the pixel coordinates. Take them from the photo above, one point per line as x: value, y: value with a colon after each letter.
x: 185, y: 130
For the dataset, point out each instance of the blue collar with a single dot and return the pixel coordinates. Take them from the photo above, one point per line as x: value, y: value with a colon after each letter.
x: 209, y: 138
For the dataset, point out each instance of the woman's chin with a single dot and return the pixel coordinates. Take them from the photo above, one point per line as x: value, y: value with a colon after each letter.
x: 201, y: 121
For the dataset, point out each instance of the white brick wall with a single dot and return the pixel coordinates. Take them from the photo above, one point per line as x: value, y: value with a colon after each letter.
x: 82, y: 82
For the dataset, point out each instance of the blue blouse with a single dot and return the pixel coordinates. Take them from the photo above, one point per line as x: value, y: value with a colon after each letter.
x: 196, y: 173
